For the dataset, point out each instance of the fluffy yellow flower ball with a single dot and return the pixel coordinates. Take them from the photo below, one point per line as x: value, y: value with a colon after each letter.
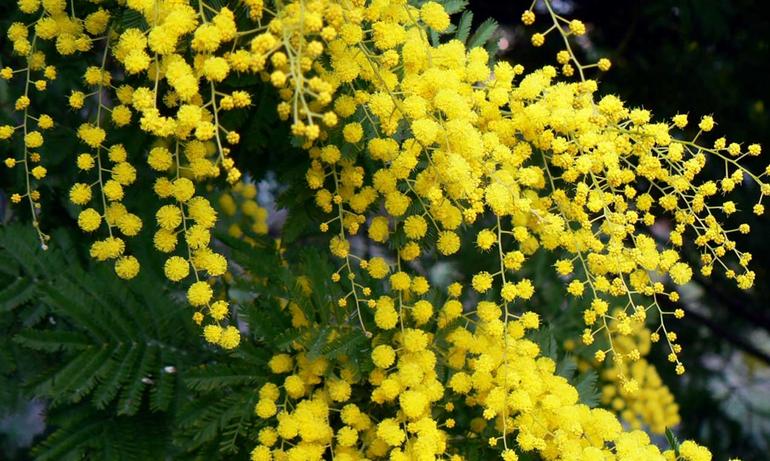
x: 127, y: 267
x: 448, y: 243
x: 176, y: 268
x: 230, y: 338
x: 434, y: 16
x: 199, y: 293
x: 80, y: 194
x: 89, y: 220
x: 383, y: 356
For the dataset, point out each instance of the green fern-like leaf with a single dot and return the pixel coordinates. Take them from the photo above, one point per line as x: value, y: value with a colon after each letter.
x: 454, y: 6
x: 483, y: 33
x: 464, y: 26
x: 16, y: 293
x: 586, y: 385
x: 215, y: 376
x: 114, y: 340
x: 86, y: 433
x: 351, y: 343
x: 209, y: 416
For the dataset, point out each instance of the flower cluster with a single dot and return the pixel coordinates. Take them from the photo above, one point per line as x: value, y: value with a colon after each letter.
x: 124, y: 90
x: 632, y: 386
x: 538, y: 163
x: 242, y: 212
x: 543, y: 162
x: 313, y: 404
x: 423, y: 148
x: 37, y: 74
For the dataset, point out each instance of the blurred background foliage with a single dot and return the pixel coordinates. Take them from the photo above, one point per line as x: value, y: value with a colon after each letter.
x: 697, y: 57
